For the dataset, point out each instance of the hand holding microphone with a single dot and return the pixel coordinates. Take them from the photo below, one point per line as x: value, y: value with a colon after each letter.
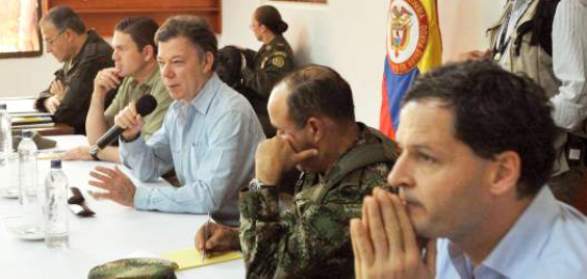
x: 128, y: 122
x: 130, y: 119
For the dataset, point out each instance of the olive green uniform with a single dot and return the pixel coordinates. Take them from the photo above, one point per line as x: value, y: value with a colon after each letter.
x: 272, y: 62
x: 130, y: 90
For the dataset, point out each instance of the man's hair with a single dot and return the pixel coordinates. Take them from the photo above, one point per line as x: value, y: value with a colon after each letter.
x: 63, y: 17
x: 141, y: 29
x: 316, y: 90
x: 195, y: 29
x: 271, y: 18
x: 495, y: 111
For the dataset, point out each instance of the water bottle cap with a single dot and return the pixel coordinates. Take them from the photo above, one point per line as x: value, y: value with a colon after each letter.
x: 3, y: 106
x: 27, y: 133
x: 55, y: 164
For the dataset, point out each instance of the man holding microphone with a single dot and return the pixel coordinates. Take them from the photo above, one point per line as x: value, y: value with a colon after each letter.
x: 209, y: 134
x: 135, y: 74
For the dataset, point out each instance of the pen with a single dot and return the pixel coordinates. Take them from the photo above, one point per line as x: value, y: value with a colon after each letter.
x: 205, y: 237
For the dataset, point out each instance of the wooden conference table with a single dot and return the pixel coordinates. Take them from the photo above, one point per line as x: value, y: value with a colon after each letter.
x: 114, y: 232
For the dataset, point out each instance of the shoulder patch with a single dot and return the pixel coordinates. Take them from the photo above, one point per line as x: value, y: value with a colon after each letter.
x: 278, y: 61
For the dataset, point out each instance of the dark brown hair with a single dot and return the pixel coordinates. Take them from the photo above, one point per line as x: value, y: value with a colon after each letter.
x: 270, y: 17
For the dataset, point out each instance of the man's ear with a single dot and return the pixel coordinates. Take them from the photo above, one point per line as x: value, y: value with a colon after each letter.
x: 208, y: 61
x: 315, y: 126
x: 148, y: 52
x: 507, y: 172
x: 68, y: 35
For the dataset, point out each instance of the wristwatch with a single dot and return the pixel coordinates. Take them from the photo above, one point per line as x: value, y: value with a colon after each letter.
x: 94, y: 149
x: 256, y: 185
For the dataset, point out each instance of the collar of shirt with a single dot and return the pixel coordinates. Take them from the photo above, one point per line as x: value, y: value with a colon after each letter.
x: 517, y: 9
x: 521, y: 246
x: 201, y: 103
x: 146, y: 86
x: 91, y: 38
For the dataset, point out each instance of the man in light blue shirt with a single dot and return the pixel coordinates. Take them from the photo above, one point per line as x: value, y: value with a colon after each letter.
x: 209, y: 134
x: 547, y: 241
x: 477, y: 149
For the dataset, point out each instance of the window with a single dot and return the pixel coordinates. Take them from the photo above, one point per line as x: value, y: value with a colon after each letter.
x: 19, y: 32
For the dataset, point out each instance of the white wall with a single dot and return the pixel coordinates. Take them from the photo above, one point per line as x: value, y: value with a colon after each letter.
x: 26, y: 76
x: 348, y: 35
x: 463, y: 24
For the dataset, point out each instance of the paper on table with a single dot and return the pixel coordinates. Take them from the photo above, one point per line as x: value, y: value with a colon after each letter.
x: 190, y: 258
x: 19, y: 105
x: 19, y: 120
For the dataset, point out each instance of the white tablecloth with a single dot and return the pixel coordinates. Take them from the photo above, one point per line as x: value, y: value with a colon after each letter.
x: 114, y: 232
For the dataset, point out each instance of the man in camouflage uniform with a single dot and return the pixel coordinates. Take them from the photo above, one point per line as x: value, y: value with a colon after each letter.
x: 342, y: 161
x: 271, y: 63
x: 83, y: 53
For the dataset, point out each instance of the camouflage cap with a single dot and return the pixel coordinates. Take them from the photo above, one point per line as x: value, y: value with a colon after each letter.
x: 136, y: 268
x: 40, y: 141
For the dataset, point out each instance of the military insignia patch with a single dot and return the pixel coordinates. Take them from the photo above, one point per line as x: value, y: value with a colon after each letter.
x: 278, y: 61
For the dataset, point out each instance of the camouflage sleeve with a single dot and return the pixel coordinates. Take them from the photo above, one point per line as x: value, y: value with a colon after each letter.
x: 312, y: 239
x: 259, y: 224
x: 273, y: 68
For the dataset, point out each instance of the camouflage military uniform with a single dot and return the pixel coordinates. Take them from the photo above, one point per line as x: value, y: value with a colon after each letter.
x: 272, y: 62
x: 310, y: 237
x: 78, y: 76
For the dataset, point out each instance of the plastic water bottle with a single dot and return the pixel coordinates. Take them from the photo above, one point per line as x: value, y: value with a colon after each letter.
x: 8, y: 159
x: 56, y: 191
x: 28, y: 184
x: 5, y: 132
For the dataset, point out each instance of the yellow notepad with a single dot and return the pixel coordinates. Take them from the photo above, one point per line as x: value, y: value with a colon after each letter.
x: 190, y: 258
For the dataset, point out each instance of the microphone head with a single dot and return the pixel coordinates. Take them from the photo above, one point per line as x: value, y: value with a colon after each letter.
x: 146, y: 105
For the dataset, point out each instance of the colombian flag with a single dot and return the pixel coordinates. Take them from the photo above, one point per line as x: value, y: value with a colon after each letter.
x: 413, y: 46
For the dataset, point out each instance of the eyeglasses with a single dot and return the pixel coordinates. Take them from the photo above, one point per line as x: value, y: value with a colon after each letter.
x: 50, y: 42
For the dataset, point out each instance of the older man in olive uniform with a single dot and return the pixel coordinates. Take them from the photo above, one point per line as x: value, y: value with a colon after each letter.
x: 83, y: 53
x: 342, y: 161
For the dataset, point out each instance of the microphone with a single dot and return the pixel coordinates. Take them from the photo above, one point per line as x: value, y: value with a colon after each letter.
x: 144, y: 106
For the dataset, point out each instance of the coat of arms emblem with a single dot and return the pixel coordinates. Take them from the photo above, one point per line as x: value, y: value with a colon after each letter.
x: 407, y: 34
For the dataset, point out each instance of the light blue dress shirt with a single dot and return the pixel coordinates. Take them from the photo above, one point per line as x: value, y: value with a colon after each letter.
x: 211, y: 142
x: 549, y: 240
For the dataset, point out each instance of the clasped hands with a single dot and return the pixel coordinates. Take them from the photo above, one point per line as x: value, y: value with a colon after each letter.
x: 57, y: 91
x: 385, y: 244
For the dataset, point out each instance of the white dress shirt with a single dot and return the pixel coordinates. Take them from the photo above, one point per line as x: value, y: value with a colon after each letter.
x: 569, y: 57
